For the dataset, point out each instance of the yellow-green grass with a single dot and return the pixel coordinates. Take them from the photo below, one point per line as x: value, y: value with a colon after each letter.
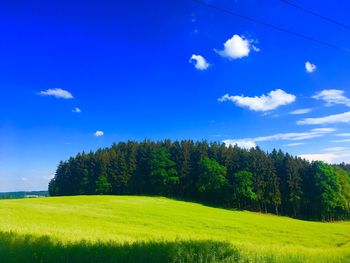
x: 45, y: 228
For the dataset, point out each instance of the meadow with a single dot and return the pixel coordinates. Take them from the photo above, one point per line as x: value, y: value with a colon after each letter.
x: 156, y: 229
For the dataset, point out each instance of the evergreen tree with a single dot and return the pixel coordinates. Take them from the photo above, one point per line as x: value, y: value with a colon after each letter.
x: 294, y: 182
x: 163, y: 175
x: 123, y: 176
x: 225, y: 175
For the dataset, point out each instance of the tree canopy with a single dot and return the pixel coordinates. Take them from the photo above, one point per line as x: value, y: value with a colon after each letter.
x: 214, y: 173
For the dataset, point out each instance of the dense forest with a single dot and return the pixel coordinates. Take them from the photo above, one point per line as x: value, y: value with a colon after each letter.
x: 212, y: 173
x: 23, y: 194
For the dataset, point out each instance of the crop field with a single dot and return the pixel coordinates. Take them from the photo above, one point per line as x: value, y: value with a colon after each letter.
x: 156, y: 229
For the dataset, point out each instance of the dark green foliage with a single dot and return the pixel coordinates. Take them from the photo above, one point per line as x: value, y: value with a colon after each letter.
x: 212, y: 184
x: 328, y: 190
x: 243, y: 188
x: 30, y: 249
x: 102, y: 185
x: 163, y: 175
x: 26, y: 194
x: 344, y: 181
x: 214, y: 173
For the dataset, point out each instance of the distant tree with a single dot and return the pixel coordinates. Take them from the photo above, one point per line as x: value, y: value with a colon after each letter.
x: 186, y: 169
x: 294, y: 182
x: 223, y: 174
x: 86, y: 186
x: 328, y: 189
x: 118, y: 173
x: 243, y: 188
x: 212, y: 182
x: 280, y: 160
x: 266, y: 182
x: 53, y: 190
x: 124, y: 177
x: 131, y: 158
x: 163, y: 175
x: 199, y: 150
x: 102, y: 185
x: 140, y: 180
x: 344, y: 181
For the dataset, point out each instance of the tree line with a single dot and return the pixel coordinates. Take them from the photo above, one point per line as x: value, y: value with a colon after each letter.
x: 213, y: 173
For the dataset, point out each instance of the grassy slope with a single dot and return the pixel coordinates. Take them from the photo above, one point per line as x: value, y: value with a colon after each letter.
x: 155, y: 220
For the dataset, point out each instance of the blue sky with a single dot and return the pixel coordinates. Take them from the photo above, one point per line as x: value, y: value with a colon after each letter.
x: 79, y: 76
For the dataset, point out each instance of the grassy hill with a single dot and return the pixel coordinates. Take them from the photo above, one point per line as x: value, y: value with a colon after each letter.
x: 151, y: 229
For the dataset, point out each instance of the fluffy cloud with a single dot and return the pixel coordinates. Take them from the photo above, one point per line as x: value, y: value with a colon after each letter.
x: 325, y: 157
x: 99, y: 133
x: 300, y: 111
x: 330, y: 119
x: 242, y: 143
x: 58, y: 93
x: 264, y: 102
x: 310, y: 67
x: 76, y: 110
x: 332, y: 96
x: 199, y: 62
x: 291, y: 136
x: 237, y: 47
x: 330, y: 155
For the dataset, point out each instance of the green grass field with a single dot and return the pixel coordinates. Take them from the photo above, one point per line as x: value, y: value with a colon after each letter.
x: 151, y: 229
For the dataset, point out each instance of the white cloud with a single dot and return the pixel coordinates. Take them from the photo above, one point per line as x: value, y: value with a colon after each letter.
x: 325, y: 157
x: 300, y: 111
x: 296, y: 136
x: 346, y: 134
x: 76, y: 110
x: 99, y: 133
x: 291, y: 136
x: 242, y: 143
x: 324, y: 129
x: 295, y: 144
x: 237, y: 47
x: 58, y: 93
x: 255, y: 48
x: 330, y: 119
x: 24, y: 179
x: 330, y: 155
x: 343, y: 140
x: 332, y: 96
x: 271, y: 101
x: 199, y: 62
x: 335, y: 149
x: 310, y: 67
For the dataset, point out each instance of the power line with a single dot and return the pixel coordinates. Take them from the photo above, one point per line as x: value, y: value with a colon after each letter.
x: 315, y: 14
x: 277, y: 28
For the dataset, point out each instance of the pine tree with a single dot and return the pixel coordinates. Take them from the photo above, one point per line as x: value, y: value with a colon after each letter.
x: 215, y: 173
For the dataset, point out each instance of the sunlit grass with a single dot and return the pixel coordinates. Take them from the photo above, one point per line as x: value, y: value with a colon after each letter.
x: 109, y: 223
